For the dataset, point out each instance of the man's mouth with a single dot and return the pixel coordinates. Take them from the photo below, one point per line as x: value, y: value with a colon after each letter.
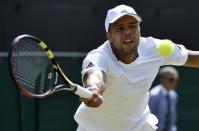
x: 128, y: 41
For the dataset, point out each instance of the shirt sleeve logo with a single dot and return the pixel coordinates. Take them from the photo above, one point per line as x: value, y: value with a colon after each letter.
x: 179, y: 47
x: 90, y: 65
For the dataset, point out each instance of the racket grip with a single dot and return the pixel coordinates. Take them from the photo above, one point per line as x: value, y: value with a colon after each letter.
x: 83, y: 92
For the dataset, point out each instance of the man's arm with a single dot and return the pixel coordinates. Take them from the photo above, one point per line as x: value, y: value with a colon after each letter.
x: 193, y: 59
x: 94, y: 80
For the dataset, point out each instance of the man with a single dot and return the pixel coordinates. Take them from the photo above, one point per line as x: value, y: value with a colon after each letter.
x: 122, y: 71
x: 163, y: 99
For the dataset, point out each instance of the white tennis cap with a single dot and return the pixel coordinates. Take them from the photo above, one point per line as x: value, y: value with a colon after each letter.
x: 119, y: 11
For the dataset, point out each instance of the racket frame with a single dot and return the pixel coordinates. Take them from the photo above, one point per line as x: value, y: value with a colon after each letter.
x: 75, y: 88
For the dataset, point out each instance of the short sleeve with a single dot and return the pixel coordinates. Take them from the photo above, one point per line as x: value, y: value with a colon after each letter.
x: 178, y: 57
x: 95, y: 60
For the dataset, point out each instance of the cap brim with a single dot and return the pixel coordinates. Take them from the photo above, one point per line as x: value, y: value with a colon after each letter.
x: 137, y: 17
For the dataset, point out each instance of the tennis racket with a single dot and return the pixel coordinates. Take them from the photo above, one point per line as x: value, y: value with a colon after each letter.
x: 35, y: 71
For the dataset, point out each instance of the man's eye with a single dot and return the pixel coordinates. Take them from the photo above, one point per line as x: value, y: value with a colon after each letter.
x: 133, y: 26
x: 120, y: 28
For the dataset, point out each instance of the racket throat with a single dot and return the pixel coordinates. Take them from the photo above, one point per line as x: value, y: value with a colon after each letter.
x: 64, y: 87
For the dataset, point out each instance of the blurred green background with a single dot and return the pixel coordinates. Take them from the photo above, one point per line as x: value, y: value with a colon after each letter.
x: 53, y: 113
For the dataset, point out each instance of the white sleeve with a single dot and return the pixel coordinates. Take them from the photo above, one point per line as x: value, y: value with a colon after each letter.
x: 178, y: 57
x: 95, y: 61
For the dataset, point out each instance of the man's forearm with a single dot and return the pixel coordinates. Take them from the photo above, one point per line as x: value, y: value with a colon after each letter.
x: 95, y: 78
x: 193, y: 59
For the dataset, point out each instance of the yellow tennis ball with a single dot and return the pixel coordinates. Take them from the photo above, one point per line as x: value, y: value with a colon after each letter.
x: 165, y: 48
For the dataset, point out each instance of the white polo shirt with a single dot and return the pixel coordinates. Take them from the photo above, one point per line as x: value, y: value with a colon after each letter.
x: 125, y: 104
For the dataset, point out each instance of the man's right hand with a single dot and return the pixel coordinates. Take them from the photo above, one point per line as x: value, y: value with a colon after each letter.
x: 96, y: 99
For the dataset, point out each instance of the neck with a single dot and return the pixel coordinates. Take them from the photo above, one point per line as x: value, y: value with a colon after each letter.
x: 126, y: 58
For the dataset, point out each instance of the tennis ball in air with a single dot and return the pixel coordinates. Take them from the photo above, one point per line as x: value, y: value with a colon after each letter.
x: 165, y: 48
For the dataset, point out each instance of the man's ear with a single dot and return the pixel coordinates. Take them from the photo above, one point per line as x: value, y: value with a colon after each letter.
x: 108, y: 35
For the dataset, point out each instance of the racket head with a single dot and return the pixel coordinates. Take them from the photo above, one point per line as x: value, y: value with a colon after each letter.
x: 31, y: 68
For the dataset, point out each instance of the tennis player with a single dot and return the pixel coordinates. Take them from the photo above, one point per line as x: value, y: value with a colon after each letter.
x: 122, y: 71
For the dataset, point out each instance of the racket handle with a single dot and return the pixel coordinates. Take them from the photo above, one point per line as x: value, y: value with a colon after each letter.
x: 83, y: 92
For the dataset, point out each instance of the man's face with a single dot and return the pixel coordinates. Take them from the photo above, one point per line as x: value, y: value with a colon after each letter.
x: 124, y: 35
x: 170, y: 81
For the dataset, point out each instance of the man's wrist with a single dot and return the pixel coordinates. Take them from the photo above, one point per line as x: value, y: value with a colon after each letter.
x: 94, y: 88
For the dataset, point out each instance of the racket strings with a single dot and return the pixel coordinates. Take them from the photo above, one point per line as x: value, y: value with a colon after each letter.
x: 32, y: 68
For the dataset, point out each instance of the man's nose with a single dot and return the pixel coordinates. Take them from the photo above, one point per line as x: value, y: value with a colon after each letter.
x: 127, y: 31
